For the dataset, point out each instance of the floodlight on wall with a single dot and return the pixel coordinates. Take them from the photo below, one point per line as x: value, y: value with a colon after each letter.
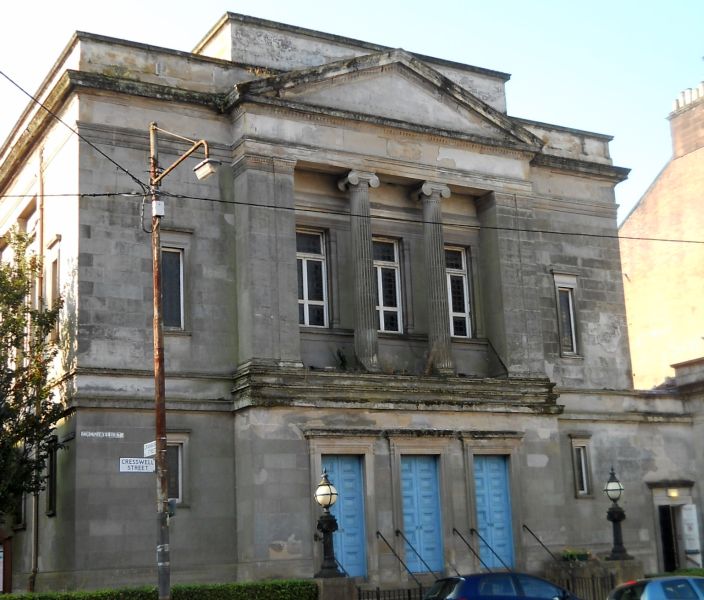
x: 206, y: 168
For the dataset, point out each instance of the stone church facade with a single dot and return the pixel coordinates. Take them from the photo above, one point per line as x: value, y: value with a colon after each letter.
x: 391, y: 278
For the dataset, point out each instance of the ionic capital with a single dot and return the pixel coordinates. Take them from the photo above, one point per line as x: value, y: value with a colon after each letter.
x: 354, y: 178
x: 430, y: 189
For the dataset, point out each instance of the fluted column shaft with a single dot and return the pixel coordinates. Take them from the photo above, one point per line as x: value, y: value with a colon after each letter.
x: 366, y: 344
x: 439, y: 339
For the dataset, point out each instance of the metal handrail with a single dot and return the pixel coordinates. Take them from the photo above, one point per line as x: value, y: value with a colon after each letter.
x: 380, y: 535
x: 472, y: 550
x: 339, y: 564
x: 427, y: 566
x: 529, y: 530
x: 479, y: 535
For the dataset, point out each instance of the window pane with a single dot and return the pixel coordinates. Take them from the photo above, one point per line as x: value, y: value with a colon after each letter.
x: 384, y: 251
x: 453, y: 259
x: 390, y: 321
x: 459, y: 326
x: 457, y: 294
x: 308, y: 243
x: 537, y: 588
x: 173, y: 466
x: 388, y: 287
x: 567, y: 334
x: 678, y: 589
x: 301, y: 314
x: 580, y: 464
x: 316, y: 315
x: 171, y: 288
x: 300, y: 279
x: 315, y: 280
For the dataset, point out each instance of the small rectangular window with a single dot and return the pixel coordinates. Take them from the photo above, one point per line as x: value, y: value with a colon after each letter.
x: 174, y: 461
x: 312, y: 279
x: 581, y: 465
x: 565, y: 286
x: 51, y: 477
x: 458, y: 292
x: 387, y: 282
x: 20, y: 512
x: 54, y: 294
x: 172, y: 287
x: 177, y: 466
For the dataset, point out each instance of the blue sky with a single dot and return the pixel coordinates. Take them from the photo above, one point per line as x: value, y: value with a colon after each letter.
x: 611, y: 67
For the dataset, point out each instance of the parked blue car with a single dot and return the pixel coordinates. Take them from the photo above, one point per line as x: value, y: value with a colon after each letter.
x: 497, y: 586
x: 660, y: 588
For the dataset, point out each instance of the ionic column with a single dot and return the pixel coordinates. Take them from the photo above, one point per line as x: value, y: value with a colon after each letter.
x: 366, y: 344
x: 439, y: 340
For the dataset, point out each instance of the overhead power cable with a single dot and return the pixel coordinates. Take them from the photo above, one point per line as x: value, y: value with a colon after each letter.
x: 141, y: 184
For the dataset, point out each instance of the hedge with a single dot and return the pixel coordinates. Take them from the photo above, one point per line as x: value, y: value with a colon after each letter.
x: 260, y: 590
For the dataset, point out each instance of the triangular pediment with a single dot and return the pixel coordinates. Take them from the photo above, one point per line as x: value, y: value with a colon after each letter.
x: 397, y: 88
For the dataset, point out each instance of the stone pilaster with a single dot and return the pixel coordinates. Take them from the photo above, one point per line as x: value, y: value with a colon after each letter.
x: 265, y: 255
x: 366, y: 344
x: 439, y: 340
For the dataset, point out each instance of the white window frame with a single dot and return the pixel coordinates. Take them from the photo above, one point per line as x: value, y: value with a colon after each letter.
x: 566, y: 284
x: 180, y: 441
x: 306, y: 258
x: 395, y: 265
x: 581, y: 464
x: 462, y: 272
x: 181, y: 255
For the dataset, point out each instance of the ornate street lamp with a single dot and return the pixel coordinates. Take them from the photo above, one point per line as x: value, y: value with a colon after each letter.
x: 203, y: 169
x: 613, y: 490
x: 326, y: 496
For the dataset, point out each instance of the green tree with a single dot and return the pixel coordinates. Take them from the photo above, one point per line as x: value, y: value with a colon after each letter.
x: 29, y: 402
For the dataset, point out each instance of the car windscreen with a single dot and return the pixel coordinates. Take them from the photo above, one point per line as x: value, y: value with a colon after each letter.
x: 699, y: 584
x: 497, y: 585
x: 629, y: 592
x: 678, y: 589
x: 539, y: 588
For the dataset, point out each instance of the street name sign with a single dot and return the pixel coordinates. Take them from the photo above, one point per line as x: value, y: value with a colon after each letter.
x: 136, y: 465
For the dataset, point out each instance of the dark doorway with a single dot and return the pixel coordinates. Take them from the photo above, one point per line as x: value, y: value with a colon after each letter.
x: 668, y: 535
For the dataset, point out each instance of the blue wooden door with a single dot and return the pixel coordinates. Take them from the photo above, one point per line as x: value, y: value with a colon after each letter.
x: 349, y: 541
x: 421, y: 512
x: 493, y: 506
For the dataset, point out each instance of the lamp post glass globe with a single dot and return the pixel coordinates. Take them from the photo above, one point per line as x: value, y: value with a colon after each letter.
x: 613, y: 488
x: 325, y: 493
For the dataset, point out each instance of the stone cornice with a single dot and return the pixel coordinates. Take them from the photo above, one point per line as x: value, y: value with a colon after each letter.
x: 346, y: 432
x: 267, y: 386
x: 501, y: 145
x: 580, y: 167
x: 670, y: 483
x: 399, y: 59
x: 71, y: 81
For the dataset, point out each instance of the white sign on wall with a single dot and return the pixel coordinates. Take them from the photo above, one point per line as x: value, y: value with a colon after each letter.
x: 150, y: 449
x: 136, y: 465
x: 690, y: 525
x: 110, y: 435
